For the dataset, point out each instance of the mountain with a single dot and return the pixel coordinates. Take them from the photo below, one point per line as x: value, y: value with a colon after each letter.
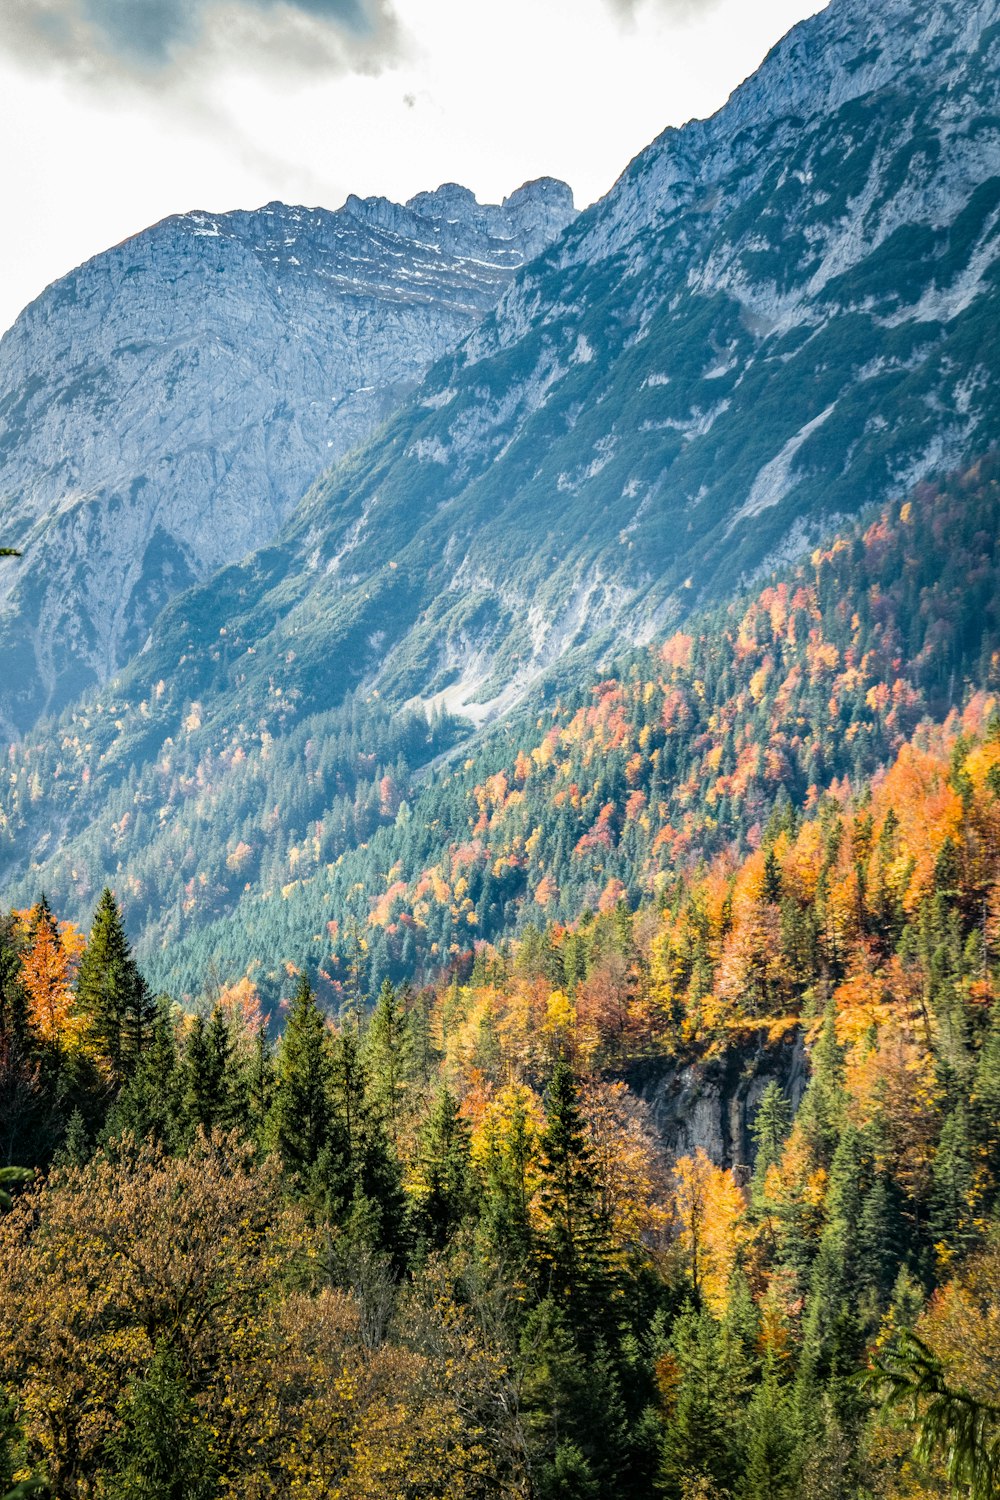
x: 777, y: 318
x: 163, y: 407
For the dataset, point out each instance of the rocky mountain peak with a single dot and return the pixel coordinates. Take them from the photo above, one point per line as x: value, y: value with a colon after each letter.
x: 164, y: 406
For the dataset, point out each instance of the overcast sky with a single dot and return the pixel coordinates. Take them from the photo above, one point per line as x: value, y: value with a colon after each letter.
x: 116, y: 113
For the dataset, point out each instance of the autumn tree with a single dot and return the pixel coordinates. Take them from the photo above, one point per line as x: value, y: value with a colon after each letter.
x: 46, y: 973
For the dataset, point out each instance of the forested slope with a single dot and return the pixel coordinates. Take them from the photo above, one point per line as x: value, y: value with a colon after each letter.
x: 604, y: 791
x: 444, y: 1244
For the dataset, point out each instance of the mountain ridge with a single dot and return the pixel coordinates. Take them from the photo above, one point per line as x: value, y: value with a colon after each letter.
x: 625, y: 437
x: 164, y: 406
x: 675, y: 418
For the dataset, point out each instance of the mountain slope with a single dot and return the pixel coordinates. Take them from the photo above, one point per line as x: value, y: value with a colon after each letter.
x: 775, y: 317
x: 163, y: 407
x: 278, y: 849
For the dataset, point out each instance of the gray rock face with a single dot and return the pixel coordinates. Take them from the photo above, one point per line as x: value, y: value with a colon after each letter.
x: 776, y: 317
x: 163, y: 407
x: 711, y: 1107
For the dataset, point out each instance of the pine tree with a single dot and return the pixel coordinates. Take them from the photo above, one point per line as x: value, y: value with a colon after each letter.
x: 573, y: 1240
x: 505, y: 1219
x: 771, y: 1441
x: 301, y: 1114
x: 446, y: 1191
x: 821, y: 1112
x: 387, y: 1053
x: 985, y: 1101
x: 831, y: 1332
x: 210, y: 1093
x: 259, y: 1085
x: 952, y: 1218
x: 363, y: 1183
x: 163, y: 1450
x: 150, y: 1104
x: 13, y: 1001
x: 769, y: 1129
x: 880, y: 1245
x: 75, y: 1150
x: 700, y: 1440
x: 112, y: 995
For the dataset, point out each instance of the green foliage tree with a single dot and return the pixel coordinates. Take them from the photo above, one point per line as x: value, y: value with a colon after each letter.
x: 163, y: 1449
x: 572, y: 1244
x: 446, y: 1187
x: 956, y: 1426
x: 113, y: 996
x: 301, y: 1112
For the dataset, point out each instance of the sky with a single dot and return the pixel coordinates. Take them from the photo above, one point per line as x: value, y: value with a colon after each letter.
x: 116, y: 113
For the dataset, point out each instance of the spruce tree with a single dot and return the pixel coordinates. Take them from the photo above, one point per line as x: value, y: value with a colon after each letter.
x: 446, y: 1193
x: 952, y: 1218
x: 831, y: 1330
x: 769, y: 1129
x: 387, y: 1054
x: 771, y: 1446
x: 210, y: 1092
x: 822, y: 1110
x: 301, y: 1113
x: 505, y: 1221
x: 573, y: 1241
x: 112, y: 994
x: 150, y: 1105
x: 701, y: 1440
x: 161, y: 1451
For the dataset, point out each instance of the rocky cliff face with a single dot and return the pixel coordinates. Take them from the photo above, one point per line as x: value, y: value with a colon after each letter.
x: 775, y: 317
x: 711, y: 1106
x: 163, y: 407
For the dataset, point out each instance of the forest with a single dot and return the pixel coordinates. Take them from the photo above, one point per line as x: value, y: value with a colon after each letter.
x: 433, y: 1242
x: 237, y: 852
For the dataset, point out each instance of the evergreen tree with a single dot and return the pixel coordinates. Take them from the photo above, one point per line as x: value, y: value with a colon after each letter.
x: 769, y: 1129
x: 832, y: 1332
x: 112, y: 994
x: 880, y: 1245
x: 821, y: 1112
x: 505, y: 1220
x: 446, y: 1190
x: 13, y: 1001
x: 75, y: 1150
x: 771, y: 1440
x: 301, y: 1114
x: 952, y: 1200
x: 163, y: 1451
x: 573, y: 1240
x: 387, y: 1054
x: 210, y: 1085
x: 259, y: 1085
x: 700, y: 1440
x: 150, y: 1106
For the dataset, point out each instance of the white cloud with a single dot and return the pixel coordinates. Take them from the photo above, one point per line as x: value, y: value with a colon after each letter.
x: 164, y: 43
